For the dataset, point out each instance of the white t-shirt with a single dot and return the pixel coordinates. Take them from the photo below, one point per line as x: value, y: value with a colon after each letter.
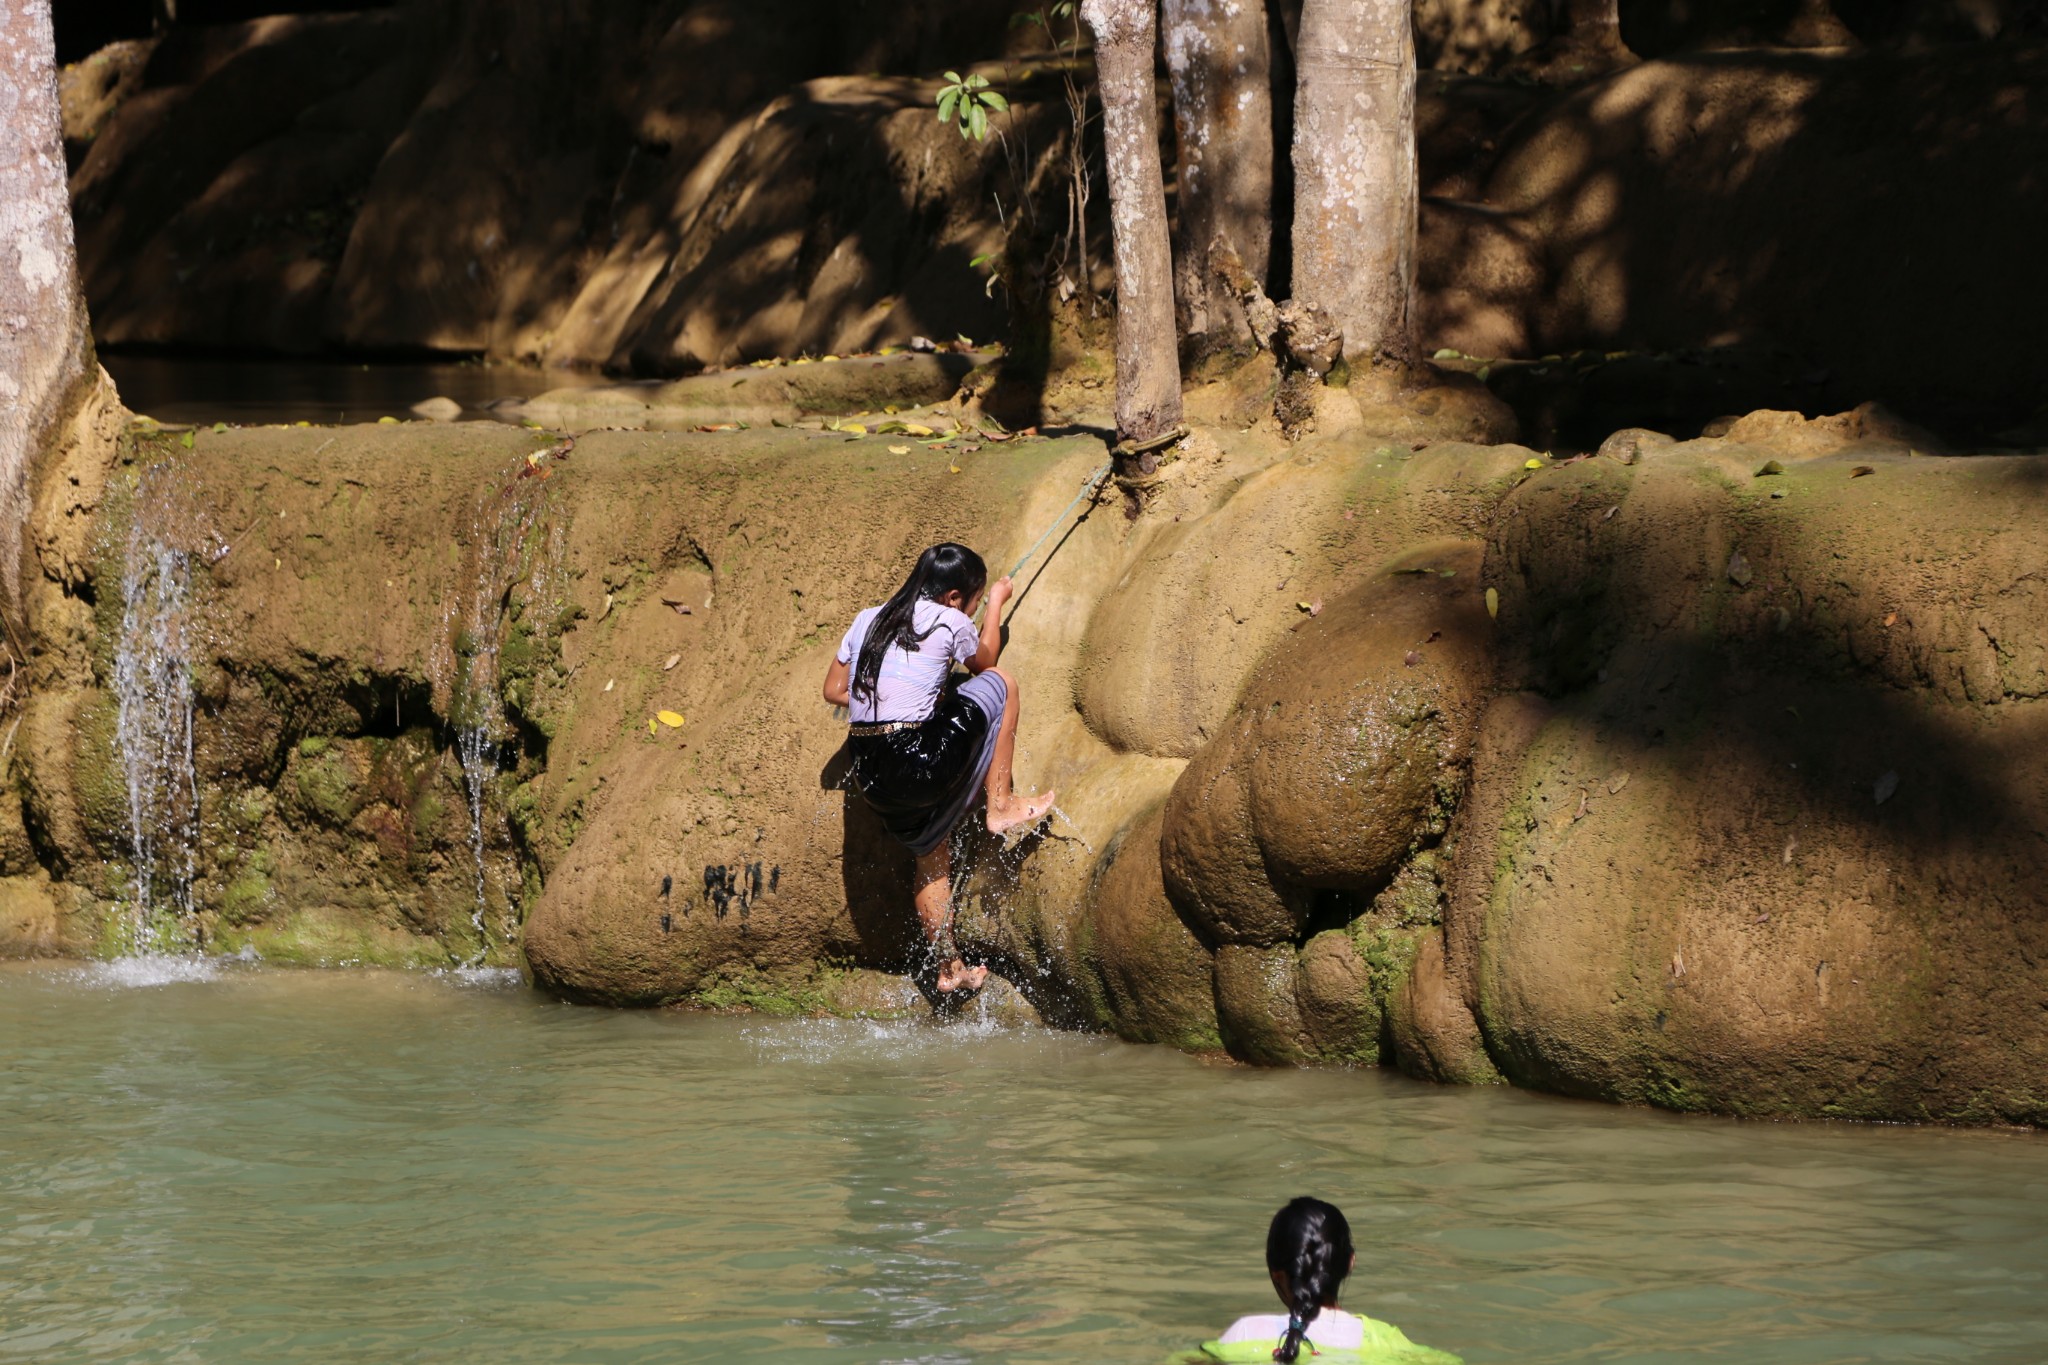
x: 1333, y: 1329
x: 909, y: 683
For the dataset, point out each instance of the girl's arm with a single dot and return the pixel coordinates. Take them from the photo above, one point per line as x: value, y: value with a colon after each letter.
x: 991, y: 628
x: 835, y: 684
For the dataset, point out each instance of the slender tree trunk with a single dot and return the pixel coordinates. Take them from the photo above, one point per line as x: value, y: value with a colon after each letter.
x: 1594, y: 19
x: 1147, y: 356
x: 1585, y: 40
x: 1221, y: 70
x: 45, y: 348
x: 1596, y: 23
x: 1354, y: 174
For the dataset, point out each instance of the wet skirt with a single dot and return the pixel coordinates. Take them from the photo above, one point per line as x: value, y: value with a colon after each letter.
x: 922, y: 779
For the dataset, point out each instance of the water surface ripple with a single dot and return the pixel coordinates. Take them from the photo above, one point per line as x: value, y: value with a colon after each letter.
x: 254, y: 1166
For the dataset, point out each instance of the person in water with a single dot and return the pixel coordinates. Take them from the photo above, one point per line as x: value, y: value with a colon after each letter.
x: 1309, y: 1255
x: 924, y: 742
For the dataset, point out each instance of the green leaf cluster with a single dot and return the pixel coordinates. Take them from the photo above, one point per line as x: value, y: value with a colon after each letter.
x: 967, y: 101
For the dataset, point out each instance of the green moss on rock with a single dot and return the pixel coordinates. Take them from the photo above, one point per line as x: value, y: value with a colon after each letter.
x: 250, y: 897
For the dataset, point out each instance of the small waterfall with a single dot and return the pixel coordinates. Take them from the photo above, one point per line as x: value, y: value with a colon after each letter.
x: 501, y: 555
x: 479, y: 716
x: 152, y: 681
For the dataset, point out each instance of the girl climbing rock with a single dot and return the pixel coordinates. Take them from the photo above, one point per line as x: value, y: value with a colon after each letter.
x: 924, y: 742
x: 1309, y: 1255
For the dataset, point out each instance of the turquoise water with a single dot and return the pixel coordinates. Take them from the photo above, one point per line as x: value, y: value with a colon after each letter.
x: 265, y: 1166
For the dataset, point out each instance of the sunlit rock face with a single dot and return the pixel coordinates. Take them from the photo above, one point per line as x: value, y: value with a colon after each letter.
x: 1758, y: 826
x: 1700, y: 773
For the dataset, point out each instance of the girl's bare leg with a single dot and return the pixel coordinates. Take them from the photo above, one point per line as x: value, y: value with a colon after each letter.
x: 934, y: 900
x: 1007, y: 810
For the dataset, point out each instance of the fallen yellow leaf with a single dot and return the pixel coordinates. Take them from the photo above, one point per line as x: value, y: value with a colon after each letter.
x: 1493, y: 602
x: 853, y: 428
x: 899, y: 450
x: 650, y: 725
x: 918, y: 429
x: 669, y: 718
x: 952, y: 469
x: 1532, y: 464
x: 387, y: 421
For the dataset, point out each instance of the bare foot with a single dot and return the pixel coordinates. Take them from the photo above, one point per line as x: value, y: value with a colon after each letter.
x: 1020, y: 811
x: 958, y: 976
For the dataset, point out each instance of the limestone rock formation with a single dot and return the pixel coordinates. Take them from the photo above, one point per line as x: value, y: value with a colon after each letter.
x: 1709, y: 780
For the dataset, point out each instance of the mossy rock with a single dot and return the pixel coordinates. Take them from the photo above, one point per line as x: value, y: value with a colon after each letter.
x: 97, y: 776
x: 328, y: 781
x: 1157, y: 977
x: 1338, y: 1003
x: 1257, y: 1005
x: 250, y: 897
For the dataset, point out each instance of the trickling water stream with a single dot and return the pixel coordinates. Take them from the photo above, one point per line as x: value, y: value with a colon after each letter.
x: 509, y: 545
x: 152, y: 683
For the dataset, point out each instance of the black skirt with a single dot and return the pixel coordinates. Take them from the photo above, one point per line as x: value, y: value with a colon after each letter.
x: 921, y: 779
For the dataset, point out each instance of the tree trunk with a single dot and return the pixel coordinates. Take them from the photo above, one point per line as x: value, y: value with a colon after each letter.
x: 1147, y: 356
x: 45, y: 348
x: 1592, y: 29
x: 1354, y: 174
x: 1596, y: 23
x: 1218, y: 62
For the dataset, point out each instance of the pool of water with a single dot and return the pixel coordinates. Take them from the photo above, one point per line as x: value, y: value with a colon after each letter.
x: 224, y: 1165
x: 255, y: 392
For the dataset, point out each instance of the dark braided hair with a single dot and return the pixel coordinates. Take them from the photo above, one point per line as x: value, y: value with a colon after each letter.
x: 1310, y: 1243
x: 943, y: 568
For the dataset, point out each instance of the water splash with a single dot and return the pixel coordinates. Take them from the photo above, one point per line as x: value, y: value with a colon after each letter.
x: 148, y: 971
x: 483, y: 978
x: 152, y: 683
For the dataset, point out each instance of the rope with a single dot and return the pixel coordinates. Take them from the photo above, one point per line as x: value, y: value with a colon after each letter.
x: 1088, y: 489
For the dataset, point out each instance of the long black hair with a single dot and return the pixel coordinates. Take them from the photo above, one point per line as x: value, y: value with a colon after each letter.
x: 1310, y: 1243
x: 943, y: 568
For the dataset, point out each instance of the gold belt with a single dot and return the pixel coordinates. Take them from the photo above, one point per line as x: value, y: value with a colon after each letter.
x: 886, y: 727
